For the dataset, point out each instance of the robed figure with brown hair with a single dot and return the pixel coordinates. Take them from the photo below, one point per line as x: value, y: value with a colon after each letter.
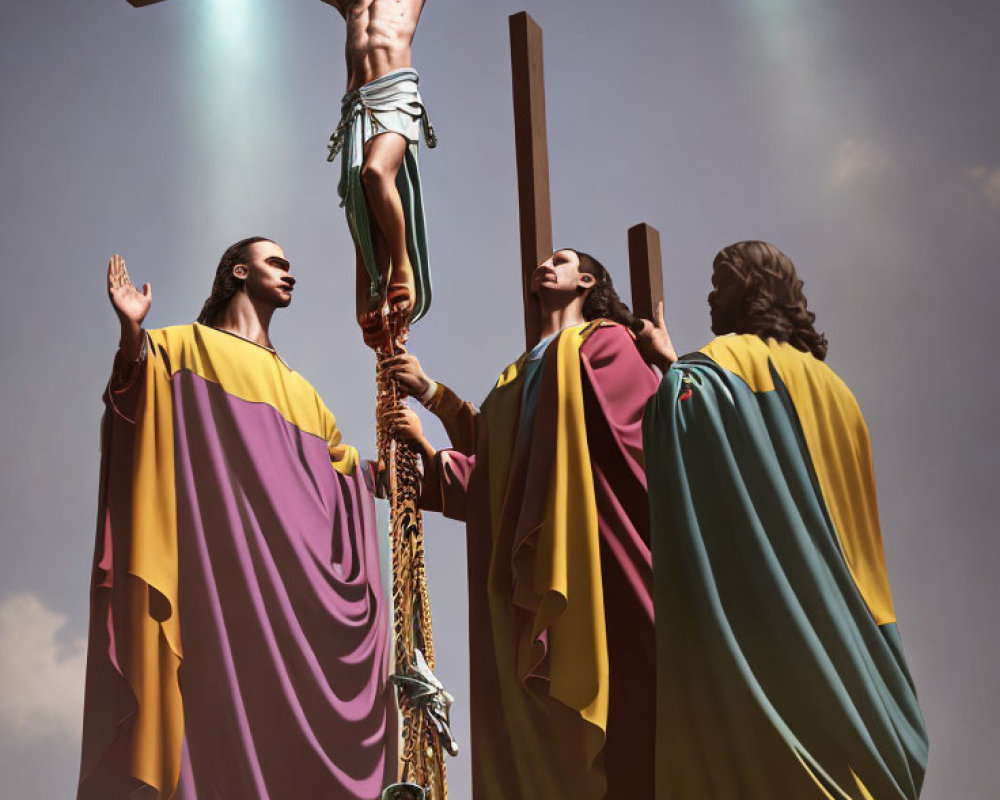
x: 548, y: 478
x: 780, y: 669
x: 239, y: 638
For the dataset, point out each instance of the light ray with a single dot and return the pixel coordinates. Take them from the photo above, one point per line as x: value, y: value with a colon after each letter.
x: 235, y: 87
x: 792, y: 41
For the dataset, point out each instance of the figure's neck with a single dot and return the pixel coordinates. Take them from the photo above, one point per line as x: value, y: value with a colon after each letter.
x: 247, y: 319
x: 555, y: 315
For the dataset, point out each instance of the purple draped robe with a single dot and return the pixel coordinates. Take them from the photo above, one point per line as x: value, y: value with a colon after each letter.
x: 283, y: 650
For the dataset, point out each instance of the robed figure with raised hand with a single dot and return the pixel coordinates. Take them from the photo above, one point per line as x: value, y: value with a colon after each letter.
x: 239, y: 638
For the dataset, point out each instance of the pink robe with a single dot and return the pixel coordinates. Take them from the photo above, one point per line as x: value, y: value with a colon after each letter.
x: 239, y: 641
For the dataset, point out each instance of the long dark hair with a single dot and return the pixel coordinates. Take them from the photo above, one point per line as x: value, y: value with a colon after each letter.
x: 772, y: 304
x: 226, y: 284
x: 603, y: 301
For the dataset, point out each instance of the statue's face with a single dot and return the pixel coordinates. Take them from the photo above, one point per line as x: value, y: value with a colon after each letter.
x: 266, y: 275
x: 560, y: 273
x: 724, y: 299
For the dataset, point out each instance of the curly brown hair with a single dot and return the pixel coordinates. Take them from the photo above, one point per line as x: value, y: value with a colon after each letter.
x: 772, y: 303
x: 226, y: 284
x: 603, y: 301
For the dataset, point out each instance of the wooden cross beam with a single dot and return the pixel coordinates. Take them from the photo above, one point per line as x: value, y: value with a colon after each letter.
x: 645, y: 267
x: 531, y: 144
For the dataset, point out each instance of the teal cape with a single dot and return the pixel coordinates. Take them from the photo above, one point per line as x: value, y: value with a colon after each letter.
x: 780, y: 671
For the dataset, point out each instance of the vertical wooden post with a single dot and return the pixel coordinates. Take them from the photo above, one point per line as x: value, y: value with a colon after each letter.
x: 645, y: 268
x: 531, y: 141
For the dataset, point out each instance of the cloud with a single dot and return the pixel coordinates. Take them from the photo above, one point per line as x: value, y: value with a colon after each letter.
x: 41, y: 671
x: 855, y: 160
x: 987, y: 181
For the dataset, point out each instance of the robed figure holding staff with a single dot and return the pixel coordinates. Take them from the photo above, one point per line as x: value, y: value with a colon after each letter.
x: 239, y: 638
x: 549, y: 479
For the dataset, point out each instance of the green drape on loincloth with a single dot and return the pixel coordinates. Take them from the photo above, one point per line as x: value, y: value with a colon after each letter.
x: 390, y: 103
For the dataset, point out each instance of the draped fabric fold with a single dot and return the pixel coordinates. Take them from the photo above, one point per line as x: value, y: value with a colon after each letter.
x: 780, y: 670
x: 556, y: 559
x: 233, y: 518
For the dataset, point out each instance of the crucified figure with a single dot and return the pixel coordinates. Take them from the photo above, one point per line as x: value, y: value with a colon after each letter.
x: 379, y: 130
x: 381, y: 117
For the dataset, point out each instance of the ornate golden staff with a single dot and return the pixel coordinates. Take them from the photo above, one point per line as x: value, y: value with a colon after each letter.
x: 423, y: 702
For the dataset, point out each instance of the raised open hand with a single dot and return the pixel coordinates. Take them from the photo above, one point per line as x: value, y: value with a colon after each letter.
x: 129, y: 303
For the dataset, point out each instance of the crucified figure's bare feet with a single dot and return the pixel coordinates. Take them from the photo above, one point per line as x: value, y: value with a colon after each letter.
x: 370, y: 309
x: 401, y: 293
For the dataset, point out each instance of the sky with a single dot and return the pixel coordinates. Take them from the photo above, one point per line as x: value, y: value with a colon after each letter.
x: 861, y: 138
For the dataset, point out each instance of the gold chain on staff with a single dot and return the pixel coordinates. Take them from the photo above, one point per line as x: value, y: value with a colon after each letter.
x: 422, y: 756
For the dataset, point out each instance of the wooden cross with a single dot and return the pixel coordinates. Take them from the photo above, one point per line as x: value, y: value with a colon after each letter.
x: 531, y: 144
x: 645, y: 269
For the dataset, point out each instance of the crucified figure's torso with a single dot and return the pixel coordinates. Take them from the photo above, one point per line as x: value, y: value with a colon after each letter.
x: 379, y: 35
